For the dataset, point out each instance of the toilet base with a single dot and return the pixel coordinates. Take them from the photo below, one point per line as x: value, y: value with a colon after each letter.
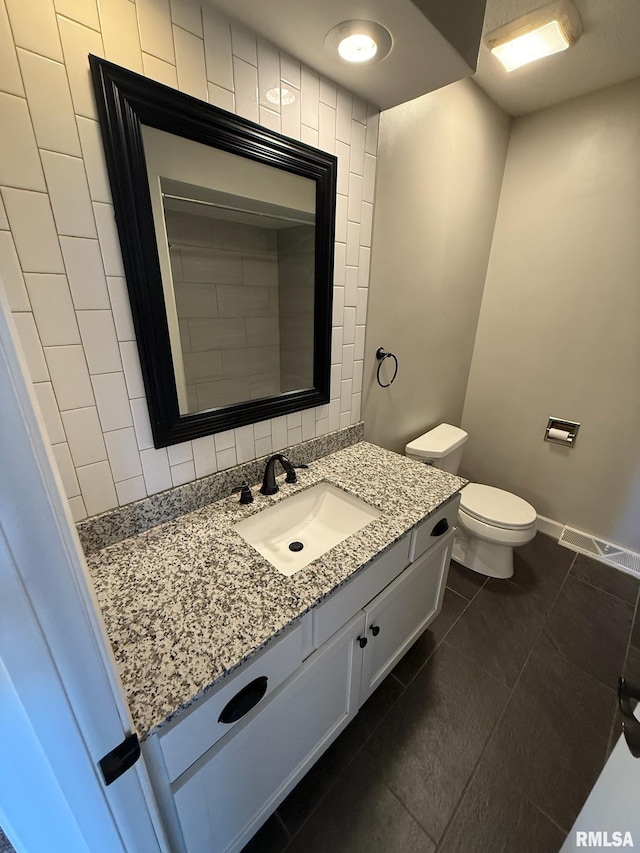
x: 486, y: 558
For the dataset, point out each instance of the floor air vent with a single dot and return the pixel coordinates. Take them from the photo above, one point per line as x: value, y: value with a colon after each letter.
x: 607, y: 552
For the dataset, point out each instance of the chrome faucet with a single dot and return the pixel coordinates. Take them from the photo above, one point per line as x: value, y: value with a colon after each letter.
x: 269, y: 485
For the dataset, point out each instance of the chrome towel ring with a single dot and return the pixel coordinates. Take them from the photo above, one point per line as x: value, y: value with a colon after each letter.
x: 382, y: 355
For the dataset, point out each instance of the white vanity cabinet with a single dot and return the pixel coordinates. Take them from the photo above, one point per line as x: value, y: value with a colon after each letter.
x: 216, y: 783
x: 400, y: 613
x: 226, y: 796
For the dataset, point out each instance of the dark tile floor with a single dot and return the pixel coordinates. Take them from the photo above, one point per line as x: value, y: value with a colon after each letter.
x: 491, y: 731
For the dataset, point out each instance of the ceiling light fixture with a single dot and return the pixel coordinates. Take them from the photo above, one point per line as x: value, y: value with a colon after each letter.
x: 543, y: 32
x: 359, y: 42
x: 357, y: 48
x: 282, y: 96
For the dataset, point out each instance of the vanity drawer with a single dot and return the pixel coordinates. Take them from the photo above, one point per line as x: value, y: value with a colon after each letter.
x: 426, y: 534
x: 341, y: 606
x: 193, y: 734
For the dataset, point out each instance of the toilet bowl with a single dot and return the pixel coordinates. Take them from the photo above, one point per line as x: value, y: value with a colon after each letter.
x: 491, y: 521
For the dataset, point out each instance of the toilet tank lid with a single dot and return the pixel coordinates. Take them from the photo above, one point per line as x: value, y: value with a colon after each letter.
x: 436, y: 443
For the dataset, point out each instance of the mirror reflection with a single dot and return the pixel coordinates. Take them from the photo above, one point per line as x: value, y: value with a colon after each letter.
x: 237, y: 253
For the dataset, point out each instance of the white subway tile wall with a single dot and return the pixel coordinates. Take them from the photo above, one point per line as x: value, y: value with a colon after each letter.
x: 60, y: 260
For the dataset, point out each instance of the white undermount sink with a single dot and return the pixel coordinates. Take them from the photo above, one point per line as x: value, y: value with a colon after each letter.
x: 297, y: 530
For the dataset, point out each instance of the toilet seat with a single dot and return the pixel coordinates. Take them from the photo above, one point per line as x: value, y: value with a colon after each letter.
x: 485, y: 532
x: 496, y: 508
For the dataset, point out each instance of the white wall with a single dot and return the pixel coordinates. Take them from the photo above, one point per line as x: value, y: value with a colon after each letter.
x: 59, y: 252
x: 559, y: 329
x: 440, y: 166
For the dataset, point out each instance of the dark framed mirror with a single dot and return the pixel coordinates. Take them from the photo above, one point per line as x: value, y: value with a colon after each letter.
x: 227, y: 237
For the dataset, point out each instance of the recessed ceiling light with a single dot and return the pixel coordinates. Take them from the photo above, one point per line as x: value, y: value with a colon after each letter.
x: 280, y: 96
x: 543, y: 32
x: 357, y: 48
x: 359, y: 42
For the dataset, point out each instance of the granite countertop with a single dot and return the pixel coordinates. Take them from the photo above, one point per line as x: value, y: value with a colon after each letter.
x: 189, y: 600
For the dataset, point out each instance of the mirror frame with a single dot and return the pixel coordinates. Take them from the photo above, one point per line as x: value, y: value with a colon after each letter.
x: 125, y: 102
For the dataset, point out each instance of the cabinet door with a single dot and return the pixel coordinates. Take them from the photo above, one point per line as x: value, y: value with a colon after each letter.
x: 226, y: 796
x: 397, y: 617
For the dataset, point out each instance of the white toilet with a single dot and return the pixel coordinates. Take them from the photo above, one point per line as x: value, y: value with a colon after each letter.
x: 491, y: 522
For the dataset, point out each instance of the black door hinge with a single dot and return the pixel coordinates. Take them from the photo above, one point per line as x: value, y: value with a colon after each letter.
x: 120, y: 759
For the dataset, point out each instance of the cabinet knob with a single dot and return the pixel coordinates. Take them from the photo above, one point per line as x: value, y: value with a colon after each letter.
x: 375, y: 630
x: 362, y: 642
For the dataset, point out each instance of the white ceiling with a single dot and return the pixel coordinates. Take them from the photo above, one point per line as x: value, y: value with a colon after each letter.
x: 420, y: 61
x: 607, y: 53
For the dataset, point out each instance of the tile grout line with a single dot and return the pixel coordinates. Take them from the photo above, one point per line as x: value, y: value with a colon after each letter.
x: 46, y: 192
x: 503, y: 713
x: 606, y: 591
x: 425, y: 662
x: 444, y: 637
x: 410, y: 813
x: 293, y: 835
x: 636, y: 612
x: 58, y: 236
x: 538, y: 808
x: 587, y: 675
x: 636, y: 609
x: 612, y: 739
x: 442, y: 641
x: 285, y: 829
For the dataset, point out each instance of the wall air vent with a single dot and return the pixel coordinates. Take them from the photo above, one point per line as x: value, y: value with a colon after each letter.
x: 606, y: 552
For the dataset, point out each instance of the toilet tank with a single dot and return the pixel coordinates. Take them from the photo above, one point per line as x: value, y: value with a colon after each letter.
x: 441, y: 447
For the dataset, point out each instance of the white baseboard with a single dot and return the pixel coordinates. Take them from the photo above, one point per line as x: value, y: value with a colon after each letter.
x: 549, y: 526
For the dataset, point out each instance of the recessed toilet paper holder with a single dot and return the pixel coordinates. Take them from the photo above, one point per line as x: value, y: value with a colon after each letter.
x: 560, y: 431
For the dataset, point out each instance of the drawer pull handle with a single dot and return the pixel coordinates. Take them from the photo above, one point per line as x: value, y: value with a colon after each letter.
x: 244, y: 701
x: 362, y: 642
x: 375, y: 630
x: 441, y: 527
